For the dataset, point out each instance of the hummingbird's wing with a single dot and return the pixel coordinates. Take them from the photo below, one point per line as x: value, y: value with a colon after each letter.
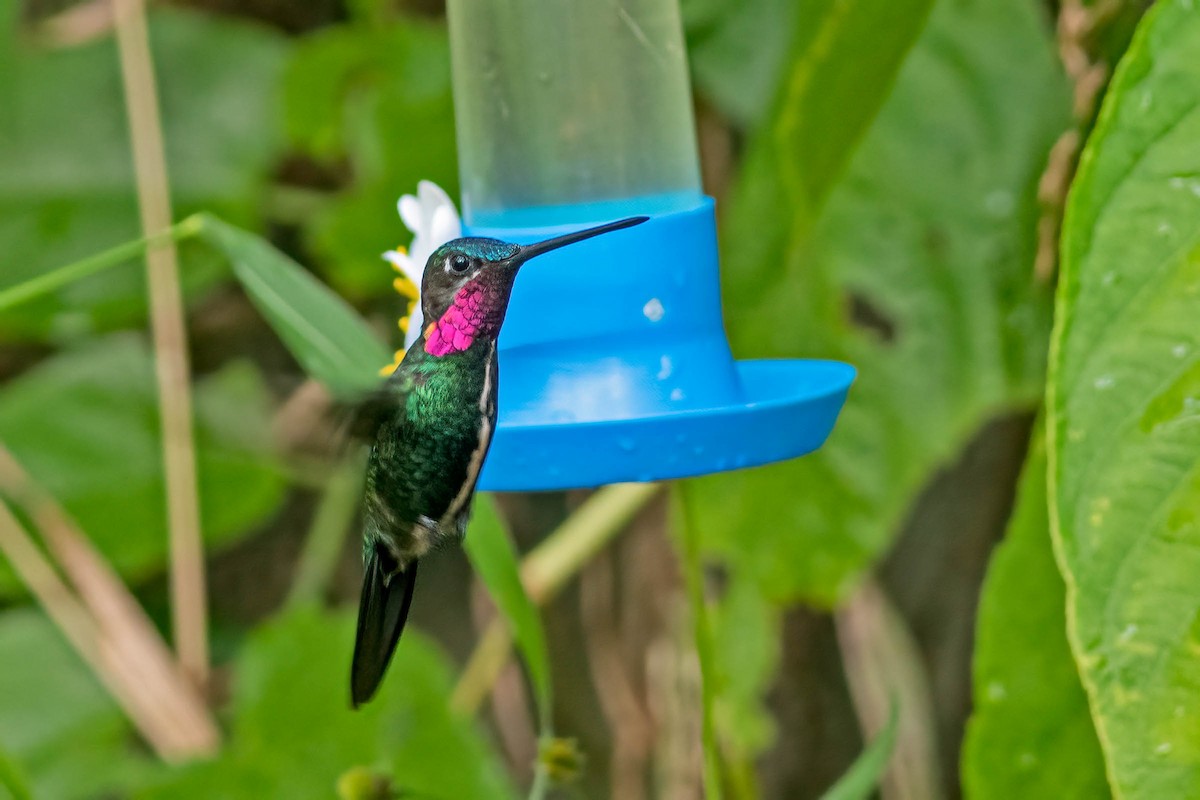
x: 366, y: 414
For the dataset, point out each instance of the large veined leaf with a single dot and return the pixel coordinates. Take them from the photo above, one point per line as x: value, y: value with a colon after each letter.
x: 1124, y: 413
x: 294, y: 733
x: 495, y: 561
x: 84, y: 424
x: 325, y: 335
x: 929, y: 238
x: 60, y: 727
x: 66, y: 173
x: 1030, y: 734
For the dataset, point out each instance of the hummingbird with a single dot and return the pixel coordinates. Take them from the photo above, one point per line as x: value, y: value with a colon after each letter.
x: 430, y: 426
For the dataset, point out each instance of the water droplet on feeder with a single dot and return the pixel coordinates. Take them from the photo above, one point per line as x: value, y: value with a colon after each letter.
x: 654, y: 310
x: 627, y: 444
x: 664, y: 370
x: 677, y: 394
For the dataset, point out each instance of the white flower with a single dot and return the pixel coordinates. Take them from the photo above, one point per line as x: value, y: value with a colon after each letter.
x: 433, y: 220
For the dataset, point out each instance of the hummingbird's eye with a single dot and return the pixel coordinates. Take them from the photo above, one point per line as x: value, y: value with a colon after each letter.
x: 460, y: 263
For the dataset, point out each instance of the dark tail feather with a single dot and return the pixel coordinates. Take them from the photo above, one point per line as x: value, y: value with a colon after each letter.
x: 382, y: 611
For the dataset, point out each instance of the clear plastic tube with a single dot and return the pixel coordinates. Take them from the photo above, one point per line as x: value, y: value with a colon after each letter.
x: 570, y: 103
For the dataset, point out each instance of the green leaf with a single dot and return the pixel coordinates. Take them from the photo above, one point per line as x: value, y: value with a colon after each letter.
x: 860, y: 780
x: 930, y: 236
x: 60, y: 726
x: 85, y: 425
x: 1124, y: 413
x: 325, y: 335
x: 67, y: 189
x: 845, y: 59
x: 12, y: 780
x: 294, y: 734
x: 746, y: 634
x: 491, y: 552
x: 1030, y: 734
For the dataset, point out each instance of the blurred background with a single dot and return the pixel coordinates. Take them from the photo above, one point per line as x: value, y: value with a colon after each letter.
x: 889, y: 179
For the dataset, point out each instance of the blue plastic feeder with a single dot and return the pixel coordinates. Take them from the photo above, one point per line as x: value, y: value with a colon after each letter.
x: 613, y: 360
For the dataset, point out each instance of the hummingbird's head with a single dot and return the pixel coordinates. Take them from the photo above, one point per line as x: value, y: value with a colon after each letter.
x: 467, y: 284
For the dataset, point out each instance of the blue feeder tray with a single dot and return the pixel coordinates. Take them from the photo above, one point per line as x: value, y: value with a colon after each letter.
x: 614, y: 365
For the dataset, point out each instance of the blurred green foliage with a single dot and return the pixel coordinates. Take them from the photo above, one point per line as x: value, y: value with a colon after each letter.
x: 57, y: 721
x: 67, y: 187
x: 375, y: 98
x: 293, y: 734
x: 884, y: 211
x: 84, y: 423
x: 918, y: 271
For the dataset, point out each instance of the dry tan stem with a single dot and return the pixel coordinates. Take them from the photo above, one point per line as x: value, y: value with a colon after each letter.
x: 483, y: 668
x: 77, y: 25
x: 188, y: 598
x: 883, y: 666
x: 1076, y: 28
x: 628, y: 720
x: 125, y: 629
x: 674, y: 689
x: 81, y: 631
x: 603, y: 515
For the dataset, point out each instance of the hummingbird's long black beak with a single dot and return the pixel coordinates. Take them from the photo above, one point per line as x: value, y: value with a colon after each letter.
x: 531, y: 250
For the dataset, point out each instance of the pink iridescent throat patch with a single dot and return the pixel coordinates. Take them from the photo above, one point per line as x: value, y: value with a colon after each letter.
x: 458, y: 328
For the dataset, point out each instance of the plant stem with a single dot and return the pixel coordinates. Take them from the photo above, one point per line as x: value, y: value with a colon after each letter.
x: 545, y: 570
x: 541, y: 783
x: 188, y: 595
x: 86, y: 267
x: 581, y: 535
x: 85, y: 636
x: 693, y: 571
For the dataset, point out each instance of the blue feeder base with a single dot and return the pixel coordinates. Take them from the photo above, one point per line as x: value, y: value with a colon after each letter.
x: 614, y: 365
